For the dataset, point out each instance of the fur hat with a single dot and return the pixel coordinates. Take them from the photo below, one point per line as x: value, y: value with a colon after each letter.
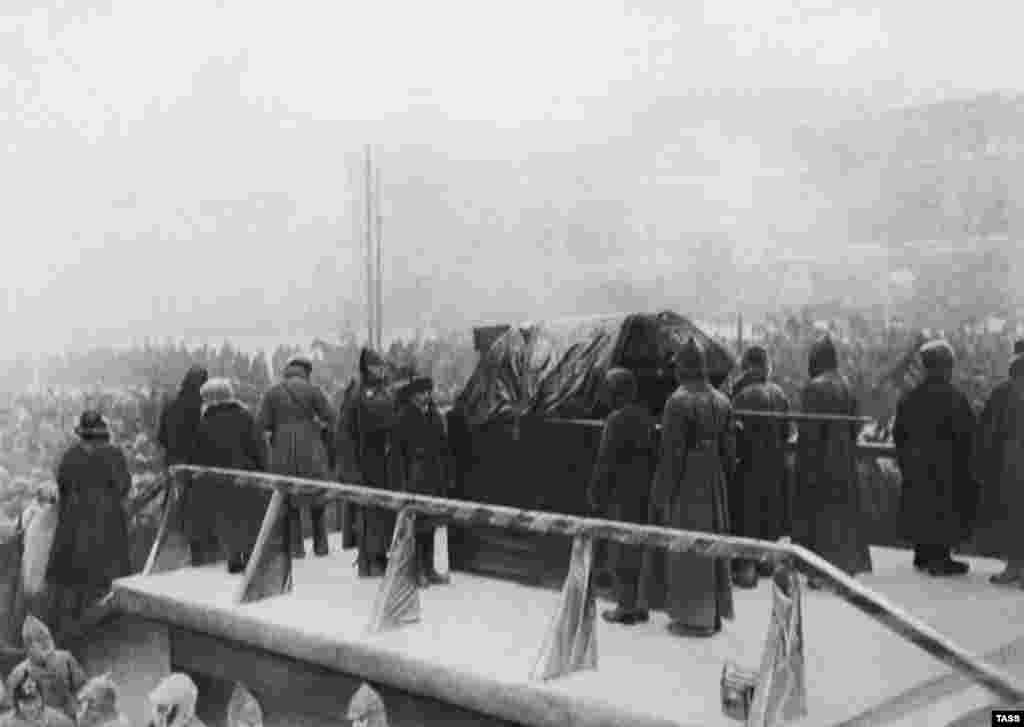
x: 937, y: 356
x: 218, y: 391
x: 92, y: 425
x: 755, y: 357
x: 620, y: 383
x: 690, y: 361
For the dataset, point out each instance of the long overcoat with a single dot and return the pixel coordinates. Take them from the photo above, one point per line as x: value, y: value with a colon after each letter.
x: 229, y: 437
x: 758, y: 492
x: 933, y: 435
x: 689, y: 493
x: 420, y: 460
x: 90, y: 548
x: 828, y: 516
x: 999, y: 465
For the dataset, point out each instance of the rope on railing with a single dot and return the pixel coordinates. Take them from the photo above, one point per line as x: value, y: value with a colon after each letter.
x: 874, y: 605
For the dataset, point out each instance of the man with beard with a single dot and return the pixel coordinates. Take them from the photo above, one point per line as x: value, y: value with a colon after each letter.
x: 621, y: 485
x: 933, y: 435
x: 758, y: 492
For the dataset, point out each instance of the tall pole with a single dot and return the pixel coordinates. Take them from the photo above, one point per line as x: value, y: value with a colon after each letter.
x: 368, y: 236
x: 380, y: 266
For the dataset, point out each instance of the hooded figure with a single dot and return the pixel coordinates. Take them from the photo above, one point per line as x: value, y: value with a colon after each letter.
x: 999, y: 466
x: 97, y: 704
x: 620, y: 487
x: 180, y: 418
x: 827, y: 515
x: 229, y: 437
x: 368, y: 422
x: 173, y: 702
x: 689, y: 493
x: 758, y: 490
x: 299, y: 421
x: 55, y: 672
x: 90, y: 547
x: 933, y: 435
x: 30, y: 710
x: 366, y: 709
x: 420, y: 462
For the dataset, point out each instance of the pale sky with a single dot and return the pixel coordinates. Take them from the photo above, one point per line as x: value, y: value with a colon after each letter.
x: 542, y: 74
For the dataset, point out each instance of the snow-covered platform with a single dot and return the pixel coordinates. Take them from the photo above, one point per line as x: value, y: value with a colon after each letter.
x: 479, y: 637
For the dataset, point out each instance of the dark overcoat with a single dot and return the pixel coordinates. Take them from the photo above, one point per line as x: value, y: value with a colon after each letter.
x: 933, y: 434
x: 229, y: 437
x: 179, y: 419
x: 624, y: 466
x: 758, y: 492
x: 90, y: 548
x: 828, y: 516
x: 999, y: 465
x: 420, y: 460
x: 689, y: 493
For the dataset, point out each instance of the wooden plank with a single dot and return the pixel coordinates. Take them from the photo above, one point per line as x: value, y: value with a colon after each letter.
x: 269, y: 571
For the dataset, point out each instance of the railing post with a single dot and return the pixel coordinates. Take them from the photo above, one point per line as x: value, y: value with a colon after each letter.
x: 171, y: 549
x: 269, y: 571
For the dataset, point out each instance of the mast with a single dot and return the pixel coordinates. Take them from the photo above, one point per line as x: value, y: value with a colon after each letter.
x: 380, y: 267
x: 368, y: 238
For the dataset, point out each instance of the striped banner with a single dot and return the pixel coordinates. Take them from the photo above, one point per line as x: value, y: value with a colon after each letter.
x: 398, y: 600
x: 708, y: 544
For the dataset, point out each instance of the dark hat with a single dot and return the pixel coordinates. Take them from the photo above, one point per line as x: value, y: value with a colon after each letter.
x: 419, y: 385
x: 822, y: 358
x: 937, y: 356
x: 755, y: 357
x: 91, y: 425
x: 300, y: 359
x: 690, y: 361
x: 621, y: 384
x: 1018, y: 347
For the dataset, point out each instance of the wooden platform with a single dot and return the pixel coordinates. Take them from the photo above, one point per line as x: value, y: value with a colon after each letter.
x: 479, y: 637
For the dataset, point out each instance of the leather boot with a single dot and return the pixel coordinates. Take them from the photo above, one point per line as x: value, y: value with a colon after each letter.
x: 298, y: 545
x: 320, y: 546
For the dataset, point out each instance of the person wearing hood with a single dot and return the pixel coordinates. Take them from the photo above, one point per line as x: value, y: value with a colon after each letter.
x: 758, y: 490
x: 420, y: 463
x: 173, y: 702
x: 230, y: 438
x: 29, y: 708
x: 368, y: 422
x: 56, y: 673
x: 828, y: 517
x: 620, y: 487
x: 90, y: 546
x: 300, y: 425
x: 933, y: 434
x: 689, y: 493
x: 179, y: 419
x: 97, y: 704
x: 999, y: 466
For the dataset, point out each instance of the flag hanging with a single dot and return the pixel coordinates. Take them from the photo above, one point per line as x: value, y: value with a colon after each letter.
x: 781, y: 692
x: 571, y: 641
x: 398, y: 600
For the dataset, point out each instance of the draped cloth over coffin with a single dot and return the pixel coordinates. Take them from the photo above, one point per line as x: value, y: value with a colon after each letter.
x: 556, y: 369
x: 781, y: 692
x: 571, y: 641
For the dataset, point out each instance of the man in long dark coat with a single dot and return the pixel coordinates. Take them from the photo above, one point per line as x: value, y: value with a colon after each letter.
x: 179, y: 420
x: 420, y: 463
x: 368, y: 424
x: 230, y: 438
x: 621, y: 485
x: 933, y: 435
x: 689, y: 493
x: 758, y: 491
x: 827, y: 511
x: 299, y: 421
x: 999, y: 465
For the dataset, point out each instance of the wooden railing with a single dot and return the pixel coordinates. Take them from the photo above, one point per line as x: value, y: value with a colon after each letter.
x: 269, y: 569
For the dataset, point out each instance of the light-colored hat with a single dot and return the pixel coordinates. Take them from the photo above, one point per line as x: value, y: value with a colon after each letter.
x: 217, y: 391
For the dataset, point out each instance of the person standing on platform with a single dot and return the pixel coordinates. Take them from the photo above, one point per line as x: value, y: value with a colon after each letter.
x: 933, y: 434
x: 621, y: 485
x: 420, y: 463
x: 758, y: 490
x: 999, y: 465
x: 689, y: 493
x: 369, y: 424
x: 827, y: 511
x: 90, y: 546
x: 299, y: 422
x: 230, y: 438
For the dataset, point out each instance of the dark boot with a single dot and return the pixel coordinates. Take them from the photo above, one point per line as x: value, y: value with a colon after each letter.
x: 320, y: 546
x: 237, y: 563
x: 298, y: 545
x: 744, y: 574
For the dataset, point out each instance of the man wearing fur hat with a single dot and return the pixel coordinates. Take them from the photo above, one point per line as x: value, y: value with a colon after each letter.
x: 300, y: 425
x: 757, y: 491
x: 933, y: 435
x: 689, y: 493
x: 620, y: 487
x: 419, y: 463
x: 230, y: 438
x: 999, y: 465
